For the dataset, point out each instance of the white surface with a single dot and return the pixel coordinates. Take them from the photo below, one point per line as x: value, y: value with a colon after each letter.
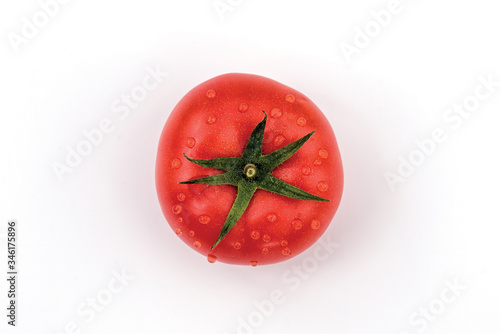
x: 398, y: 249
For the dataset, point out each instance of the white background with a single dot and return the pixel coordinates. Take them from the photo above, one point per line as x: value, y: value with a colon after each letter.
x: 398, y: 249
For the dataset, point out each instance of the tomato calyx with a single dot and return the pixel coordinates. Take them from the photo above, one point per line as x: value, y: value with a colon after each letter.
x: 250, y: 172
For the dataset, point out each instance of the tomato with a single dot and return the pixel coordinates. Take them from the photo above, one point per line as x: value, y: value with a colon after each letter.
x: 248, y: 170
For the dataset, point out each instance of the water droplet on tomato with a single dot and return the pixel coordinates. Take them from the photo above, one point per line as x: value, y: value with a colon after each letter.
x: 271, y: 217
x: 266, y: 238
x: 276, y: 113
x: 285, y: 251
x: 284, y: 243
x: 178, y: 231
x: 237, y: 245
x: 243, y: 107
x: 190, y: 142
x: 317, y: 162
x: 180, y: 220
x: 211, y: 258
x: 181, y: 197
x: 204, y: 219
x: 211, y: 119
x: 176, y: 163
x: 323, y: 154
x: 278, y: 140
x: 306, y: 170
x: 322, y: 186
x: 315, y: 224
x: 197, y: 244
x: 191, y: 233
x: 265, y: 250
x: 253, y: 263
x: 296, y: 224
x: 290, y: 98
x: 211, y: 94
x: 301, y: 121
x: 255, y: 235
x: 177, y: 209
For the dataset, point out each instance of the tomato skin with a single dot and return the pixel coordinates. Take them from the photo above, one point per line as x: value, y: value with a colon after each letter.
x: 214, y: 120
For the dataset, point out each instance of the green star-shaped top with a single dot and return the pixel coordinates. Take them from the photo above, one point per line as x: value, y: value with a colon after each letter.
x: 250, y: 172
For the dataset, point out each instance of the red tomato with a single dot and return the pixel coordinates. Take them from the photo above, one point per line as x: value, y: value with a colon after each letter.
x: 260, y: 169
